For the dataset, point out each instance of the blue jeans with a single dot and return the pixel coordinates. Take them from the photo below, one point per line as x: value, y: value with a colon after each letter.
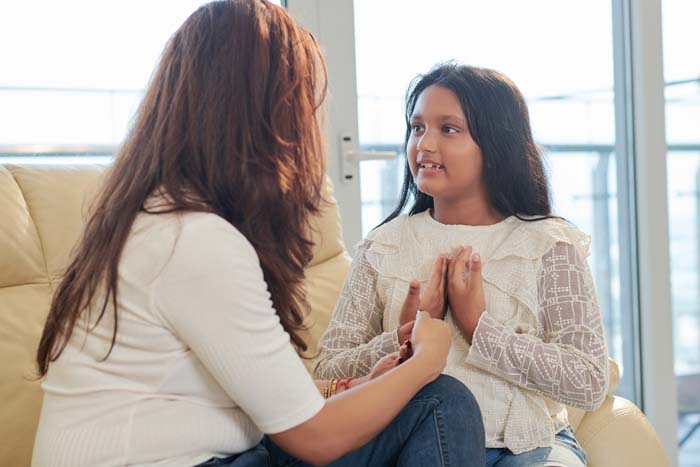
x: 440, y: 427
x: 566, y: 452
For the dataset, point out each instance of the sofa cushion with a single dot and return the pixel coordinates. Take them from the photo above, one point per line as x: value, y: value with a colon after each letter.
x: 58, y: 199
x: 323, y: 283
x: 619, y: 435
x: 21, y: 257
x: 325, y: 229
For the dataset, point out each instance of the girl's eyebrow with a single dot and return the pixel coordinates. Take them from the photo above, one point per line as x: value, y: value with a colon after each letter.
x: 452, y: 118
x: 442, y: 119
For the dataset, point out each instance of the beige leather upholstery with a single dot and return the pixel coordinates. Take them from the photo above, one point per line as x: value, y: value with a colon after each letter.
x: 41, y: 216
x: 41, y: 212
x: 326, y: 272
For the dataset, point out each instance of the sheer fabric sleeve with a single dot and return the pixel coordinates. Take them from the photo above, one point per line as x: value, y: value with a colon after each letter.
x: 570, y: 364
x: 355, y: 339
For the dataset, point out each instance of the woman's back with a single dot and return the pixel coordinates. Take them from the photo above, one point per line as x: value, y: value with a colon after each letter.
x: 104, y: 412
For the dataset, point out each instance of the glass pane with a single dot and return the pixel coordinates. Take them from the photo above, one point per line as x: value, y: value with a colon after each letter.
x: 76, y: 76
x: 682, y: 77
x: 569, y: 90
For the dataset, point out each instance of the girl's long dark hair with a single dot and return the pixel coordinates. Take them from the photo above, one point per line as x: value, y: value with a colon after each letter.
x: 499, y: 122
x: 230, y: 125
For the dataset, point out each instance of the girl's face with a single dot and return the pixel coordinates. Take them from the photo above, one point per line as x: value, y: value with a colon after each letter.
x: 444, y: 160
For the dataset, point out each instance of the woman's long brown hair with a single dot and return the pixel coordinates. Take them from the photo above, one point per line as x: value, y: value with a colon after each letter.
x: 230, y: 124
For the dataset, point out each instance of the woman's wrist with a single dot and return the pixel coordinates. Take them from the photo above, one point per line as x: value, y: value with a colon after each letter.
x: 426, y: 363
x: 350, y: 382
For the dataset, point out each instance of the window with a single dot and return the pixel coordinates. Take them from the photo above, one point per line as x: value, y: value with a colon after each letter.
x: 72, y: 81
x: 682, y: 91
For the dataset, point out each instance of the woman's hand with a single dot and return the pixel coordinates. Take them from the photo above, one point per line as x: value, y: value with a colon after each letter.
x: 465, y: 290
x: 431, y: 342
x: 432, y: 299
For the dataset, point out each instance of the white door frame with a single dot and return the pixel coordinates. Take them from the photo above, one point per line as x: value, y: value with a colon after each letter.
x: 332, y: 23
x: 642, y: 31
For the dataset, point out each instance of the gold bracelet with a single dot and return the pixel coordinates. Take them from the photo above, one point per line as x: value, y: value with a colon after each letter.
x: 332, y: 387
x: 326, y: 390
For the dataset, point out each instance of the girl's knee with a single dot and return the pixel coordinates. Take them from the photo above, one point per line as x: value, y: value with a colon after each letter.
x: 445, y: 384
x: 452, y: 392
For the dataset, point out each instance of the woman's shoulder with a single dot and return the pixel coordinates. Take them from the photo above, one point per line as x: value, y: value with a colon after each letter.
x: 188, y: 226
x: 189, y: 236
x: 214, y: 233
x: 209, y: 224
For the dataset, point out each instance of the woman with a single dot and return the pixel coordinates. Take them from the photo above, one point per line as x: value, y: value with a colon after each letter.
x: 173, y: 336
x: 529, y: 337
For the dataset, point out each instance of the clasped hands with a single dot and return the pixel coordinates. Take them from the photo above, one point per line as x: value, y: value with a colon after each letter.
x: 456, y: 281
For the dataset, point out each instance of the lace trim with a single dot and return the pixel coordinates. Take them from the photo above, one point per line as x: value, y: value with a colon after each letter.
x: 511, y: 264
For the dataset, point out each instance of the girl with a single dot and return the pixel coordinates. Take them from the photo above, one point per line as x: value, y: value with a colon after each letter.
x: 168, y: 339
x: 510, y: 278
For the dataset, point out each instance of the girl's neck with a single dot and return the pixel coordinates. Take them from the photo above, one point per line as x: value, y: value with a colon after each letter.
x: 465, y: 212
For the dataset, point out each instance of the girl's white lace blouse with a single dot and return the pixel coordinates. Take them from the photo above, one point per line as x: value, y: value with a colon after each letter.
x: 538, y: 346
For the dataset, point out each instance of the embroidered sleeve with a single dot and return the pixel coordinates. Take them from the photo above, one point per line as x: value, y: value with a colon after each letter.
x: 355, y: 340
x: 570, y: 364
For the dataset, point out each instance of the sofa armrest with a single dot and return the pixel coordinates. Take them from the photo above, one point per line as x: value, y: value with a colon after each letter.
x: 619, y: 435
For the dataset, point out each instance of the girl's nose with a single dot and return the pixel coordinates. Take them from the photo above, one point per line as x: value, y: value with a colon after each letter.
x: 426, y: 143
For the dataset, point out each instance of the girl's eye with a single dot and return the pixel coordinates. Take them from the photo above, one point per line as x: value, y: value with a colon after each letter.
x: 449, y: 129
x: 416, y: 128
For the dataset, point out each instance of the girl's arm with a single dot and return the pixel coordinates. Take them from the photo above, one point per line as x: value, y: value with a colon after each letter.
x: 355, y: 339
x: 571, y: 364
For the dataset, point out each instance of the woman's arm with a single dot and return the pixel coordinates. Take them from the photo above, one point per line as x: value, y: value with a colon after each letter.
x: 354, y: 417
x: 571, y: 364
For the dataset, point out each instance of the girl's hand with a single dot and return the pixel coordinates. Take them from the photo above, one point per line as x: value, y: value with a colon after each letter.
x: 404, y: 332
x: 410, y: 306
x: 391, y: 361
x: 465, y: 290
x: 385, y: 364
x: 432, y: 299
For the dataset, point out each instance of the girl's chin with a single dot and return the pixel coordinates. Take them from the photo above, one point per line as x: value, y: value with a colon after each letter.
x: 428, y: 192
x: 426, y: 187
